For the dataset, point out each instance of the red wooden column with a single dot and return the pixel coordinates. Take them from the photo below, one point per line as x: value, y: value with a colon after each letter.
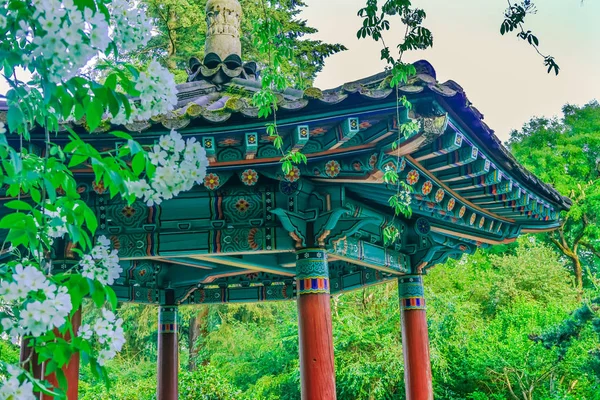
x: 415, y: 340
x: 168, y: 352
x: 71, y: 370
x: 317, y: 372
x: 29, y: 359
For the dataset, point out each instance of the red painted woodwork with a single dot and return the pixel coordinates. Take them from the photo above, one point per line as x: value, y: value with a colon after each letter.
x: 415, y: 346
x: 168, y: 366
x: 317, y: 372
x: 71, y: 370
x: 29, y: 360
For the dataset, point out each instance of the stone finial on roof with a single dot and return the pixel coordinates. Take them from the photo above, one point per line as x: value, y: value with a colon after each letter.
x: 223, y: 51
x: 223, y: 18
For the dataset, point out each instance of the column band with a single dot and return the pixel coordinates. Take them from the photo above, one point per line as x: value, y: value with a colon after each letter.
x: 167, y: 319
x: 411, y: 293
x: 312, y: 271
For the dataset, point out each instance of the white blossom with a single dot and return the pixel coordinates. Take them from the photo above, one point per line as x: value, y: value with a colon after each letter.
x: 2, y: 128
x: 180, y: 165
x: 108, y: 332
x: 45, y: 306
x: 14, y: 388
x: 158, y: 95
x: 101, y: 264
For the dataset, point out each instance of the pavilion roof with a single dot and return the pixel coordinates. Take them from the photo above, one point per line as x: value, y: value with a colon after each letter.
x: 203, y: 103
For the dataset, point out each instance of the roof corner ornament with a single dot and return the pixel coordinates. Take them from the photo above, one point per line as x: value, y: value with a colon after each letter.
x: 223, y: 50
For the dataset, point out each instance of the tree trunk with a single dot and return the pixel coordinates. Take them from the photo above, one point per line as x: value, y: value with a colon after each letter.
x: 578, y: 275
x: 172, y: 48
x: 197, y: 330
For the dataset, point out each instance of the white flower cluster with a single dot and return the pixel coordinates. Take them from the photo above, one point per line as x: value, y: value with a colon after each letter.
x: 158, y: 95
x: 70, y: 37
x: 131, y: 26
x: 57, y: 223
x: 108, y: 332
x: 2, y: 128
x: 179, y: 165
x: 36, y: 317
x: 404, y: 197
x: 101, y: 264
x: 11, y: 388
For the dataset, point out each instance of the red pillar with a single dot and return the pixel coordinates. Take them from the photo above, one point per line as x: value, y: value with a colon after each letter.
x: 415, y: 340
x: 168, y: 352
x: 71, y: 370
x: 29, y: 359
x: 317, y: 372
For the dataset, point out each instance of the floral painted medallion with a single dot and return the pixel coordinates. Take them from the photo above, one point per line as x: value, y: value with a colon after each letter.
x: 293, y: 175
x: 426, y: 188
x: 439, y: 195
x: 212, y: 181
x: 413, y: 177
x: 249, y: 177
x: 332, y: 168
x: 451, y: 204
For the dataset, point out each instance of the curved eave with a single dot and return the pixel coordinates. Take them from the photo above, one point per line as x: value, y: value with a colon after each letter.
x: 205, y: 109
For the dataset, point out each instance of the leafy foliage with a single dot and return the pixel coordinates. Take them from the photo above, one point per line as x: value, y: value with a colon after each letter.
x: 565, y: 153
x: 181, y: 34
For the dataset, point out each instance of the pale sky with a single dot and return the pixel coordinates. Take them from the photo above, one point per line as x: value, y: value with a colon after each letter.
x: 502, y: 76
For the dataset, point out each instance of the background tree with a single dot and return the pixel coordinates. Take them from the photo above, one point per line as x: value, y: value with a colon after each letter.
x: 181, y: 33
x: 566, y: 153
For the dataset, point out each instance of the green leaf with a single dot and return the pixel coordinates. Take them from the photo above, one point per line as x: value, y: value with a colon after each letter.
x: 121, y: 134
x: 15, y: 118
x: 77, y: 159
x: 18, y: 205
x: 138, y: 163
x: 94, y: 113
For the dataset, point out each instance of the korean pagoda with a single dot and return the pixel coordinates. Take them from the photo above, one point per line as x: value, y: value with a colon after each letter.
x: 254, y: 234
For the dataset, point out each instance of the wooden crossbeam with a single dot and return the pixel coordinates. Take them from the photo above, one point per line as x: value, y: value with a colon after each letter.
x: 477, y: 168
x: 493, y: 177
x: 300, y: 137
x: 209, y: 144
x: 342, y: 133
x: 464, y: 155
x: 492, y: 190
x: 250, y: 145
x: 445, y: 144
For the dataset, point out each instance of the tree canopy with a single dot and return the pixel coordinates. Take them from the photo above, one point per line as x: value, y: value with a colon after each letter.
x: 181, y: 34
x: 565, y: 152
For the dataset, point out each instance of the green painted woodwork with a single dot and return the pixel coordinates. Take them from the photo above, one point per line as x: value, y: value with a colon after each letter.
x: 443, y: 145
x: 236, y: 238
x: 462, y: 156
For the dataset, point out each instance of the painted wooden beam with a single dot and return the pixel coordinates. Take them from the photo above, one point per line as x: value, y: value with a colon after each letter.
x: 241, y: 263
x: 250, y: 145
x: 258, y: 293
x: 209, y: 144
x: 494, y: 190
x: 463, y: 156
x: 491, y: 178
x: 500, y: 201
x: 370, y: 255
x: 444, y: 144
x: 300, y: 135
x: 342, y: 133
x: 471, y: 170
